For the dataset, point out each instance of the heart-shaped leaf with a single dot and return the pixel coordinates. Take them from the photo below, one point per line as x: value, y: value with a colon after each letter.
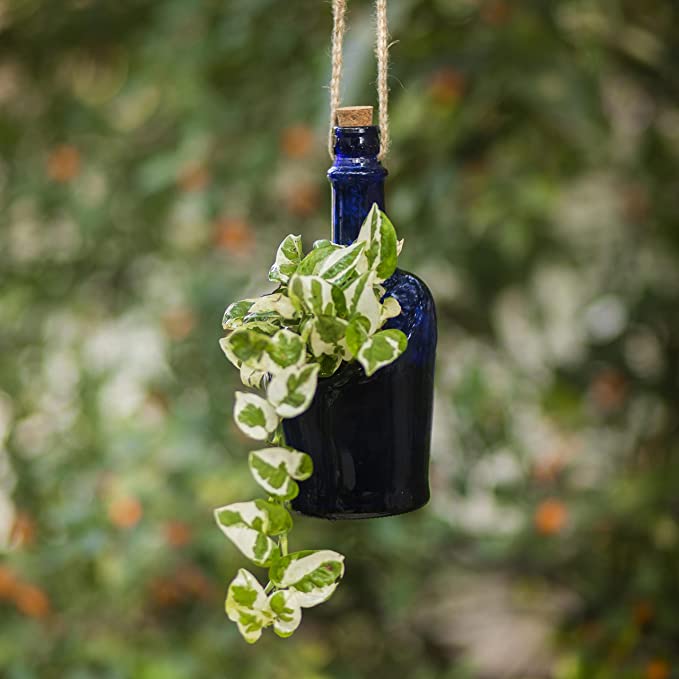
x: 254, y: 415
x: 381, y: 349
x: 248, y: 606
x: 249, y: 524
x: 275, y: 468
x: 292, y: 389
x: 244, y: 346
x: 286, y: 610
x: 313, y: 574
x: 286, y: 348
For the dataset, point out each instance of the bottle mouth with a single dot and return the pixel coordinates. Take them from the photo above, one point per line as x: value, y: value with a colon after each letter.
x: 357, y: 142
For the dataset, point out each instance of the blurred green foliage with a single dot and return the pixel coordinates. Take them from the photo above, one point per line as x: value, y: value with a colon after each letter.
x: 152, y: 155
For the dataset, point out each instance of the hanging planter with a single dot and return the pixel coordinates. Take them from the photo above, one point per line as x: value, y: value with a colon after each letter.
x: 342, y: 354
x: 368, y: 435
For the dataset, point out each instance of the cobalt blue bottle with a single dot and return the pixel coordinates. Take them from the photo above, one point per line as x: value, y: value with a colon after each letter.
x: 369, y: 437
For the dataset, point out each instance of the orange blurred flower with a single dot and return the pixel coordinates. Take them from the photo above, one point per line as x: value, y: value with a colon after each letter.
x: 446, y: 86
x: 550, y: 517
x: 31, y: 601
x: 187, y: 582
x: 297, y: 141
x: 496, y: 12
x: 303, y: 200
x: 23, y: 530
x: 178, y: 323
x: 657, y: 669
x: 193, y: 581
x: 177, y: 533
x: 643, y: 613
x: 125, y: 512
x: 234, y: 235
x: 194, y: 178
x: 8, y: 583
x: 63, y: 163
x: 165, y: 592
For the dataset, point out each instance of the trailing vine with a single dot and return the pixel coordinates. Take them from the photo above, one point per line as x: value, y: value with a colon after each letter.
x: 329, y: 308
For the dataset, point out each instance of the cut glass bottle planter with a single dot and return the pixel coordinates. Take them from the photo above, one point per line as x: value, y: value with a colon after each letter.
x: 369, y: 437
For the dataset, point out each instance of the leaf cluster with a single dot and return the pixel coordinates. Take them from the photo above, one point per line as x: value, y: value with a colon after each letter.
x: 328, y: 309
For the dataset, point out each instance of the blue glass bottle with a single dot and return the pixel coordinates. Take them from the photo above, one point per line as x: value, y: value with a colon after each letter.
x: 369, y: 437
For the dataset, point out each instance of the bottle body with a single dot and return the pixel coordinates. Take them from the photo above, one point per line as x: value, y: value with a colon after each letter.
x: 369, y: 437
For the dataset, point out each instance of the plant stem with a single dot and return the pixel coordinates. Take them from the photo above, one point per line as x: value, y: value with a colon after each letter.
x: 269, y: 587
x: 283, y: 544
x: 278, y: 436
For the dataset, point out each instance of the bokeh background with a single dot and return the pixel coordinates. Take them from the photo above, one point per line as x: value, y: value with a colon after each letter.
x: 154, y: 152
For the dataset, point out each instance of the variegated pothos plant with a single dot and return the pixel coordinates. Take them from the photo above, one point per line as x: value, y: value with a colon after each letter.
x: 329, y: 307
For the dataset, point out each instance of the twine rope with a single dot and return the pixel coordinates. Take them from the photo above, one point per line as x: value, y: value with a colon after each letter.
x: 382, y: 53
x: 339, y: 11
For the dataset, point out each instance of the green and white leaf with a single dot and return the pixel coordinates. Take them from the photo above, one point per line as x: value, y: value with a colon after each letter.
x: 328, y: 364
x: 249, y: 607
x: 361, y: 300
x: 251, y: 377
x: 256, y: 546
x: 313, y: 294
x: 266, y: 328
x: 275, y: 468
x: 312, y: 262
x: 261, y: 352
x: 254, y: 416
x: 286, y: 348
x: 381, y: 251
x: 325, y: 243
x: 268, y: 307
x: 245, y: 346
x: 381, y: 349
x: 288, y: 258
x: 344, y: 264
x: 357, y: 334
x: 326, y: 335
x: 390, y: 309
x: 292, y: 389
x: 314, y: 575
x: 286, y: 611
x: 229, y: 353
x: 249, y: 526
x: 234, y: 314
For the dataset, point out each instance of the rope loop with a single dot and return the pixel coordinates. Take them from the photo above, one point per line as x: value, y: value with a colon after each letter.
x: 339, y: 11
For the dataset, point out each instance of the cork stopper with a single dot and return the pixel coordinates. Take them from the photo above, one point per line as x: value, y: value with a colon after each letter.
x: 355, y: 116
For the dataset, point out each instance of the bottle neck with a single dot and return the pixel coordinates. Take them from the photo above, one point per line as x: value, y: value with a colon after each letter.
x: 357, y: 179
